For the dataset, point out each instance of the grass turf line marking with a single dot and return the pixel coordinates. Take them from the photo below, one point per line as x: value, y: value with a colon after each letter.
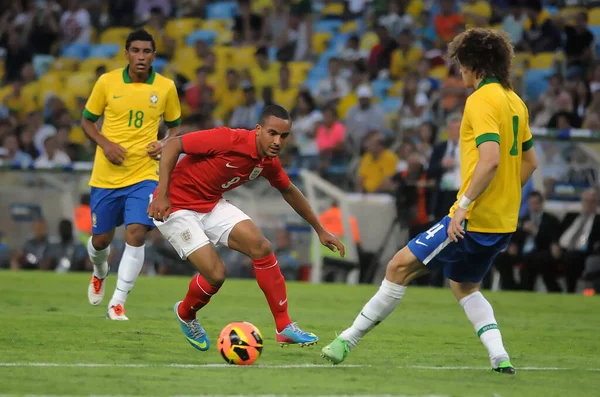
x: 232, y: 395
x: 275, y: 366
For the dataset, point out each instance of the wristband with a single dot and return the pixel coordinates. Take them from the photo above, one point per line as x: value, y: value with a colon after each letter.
x: 464, y: 202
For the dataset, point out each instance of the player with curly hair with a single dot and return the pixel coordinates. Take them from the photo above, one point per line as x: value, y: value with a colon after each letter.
x: 496, y: 159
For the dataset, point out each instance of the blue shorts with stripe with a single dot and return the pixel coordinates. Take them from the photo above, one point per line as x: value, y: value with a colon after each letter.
x: 467, y: 261
x: 126, y: 205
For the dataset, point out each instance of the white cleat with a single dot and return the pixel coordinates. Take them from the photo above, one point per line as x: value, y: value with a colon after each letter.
x: 96, y: 290
x: 117, y: 313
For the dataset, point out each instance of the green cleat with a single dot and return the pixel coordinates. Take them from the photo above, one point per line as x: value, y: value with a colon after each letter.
x: 336, y: 351
x: 505, y: 367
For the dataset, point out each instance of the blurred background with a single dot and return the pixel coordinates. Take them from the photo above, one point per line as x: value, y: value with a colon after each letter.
x: 376, y: 114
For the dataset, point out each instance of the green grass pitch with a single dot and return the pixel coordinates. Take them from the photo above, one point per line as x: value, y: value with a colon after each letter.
x: 52, y: 342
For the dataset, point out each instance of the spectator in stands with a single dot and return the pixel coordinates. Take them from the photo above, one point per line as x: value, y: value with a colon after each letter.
x: 582, y: 171
x: 412, y: 111
x: 194, y: 93
x: 67, y: 254
x: 276, y: 24
x: 352, y: 52
x: 13, y: 156
x: 535, y: 234
x: 121, y: 12
x: 448, y: 23
x: 380, y: 57
x: 425, y: 33
x: 17, y: 55
x: 564, y: 109
x: 582, y: 97
x: 579, y: 238
x: 333, y: 87
x: 444, y: 169
x: 265, y: 74
x: 397, y: 19
x: 377, y: 165
x: 156, y: 17
x: 514, y: 24
x: 306, y: 118
x: 52, y: 156
x: 4, y: 253
x: 83, y: 218
x: 286, y: 255
x: 543, y: 35
x: 453, y: 91
x: 427, y: 84
x: 229, y: 95
x: 284, y: 93
x: 248, y: 26
x: 554, y: 167
x: 363, y: 117
x: 245, y: 115
x: 405, y: 56
x: 542, y: 110
x: 76, y: 24
x: 330, y: 138
x: 579, y: 47
x: 42, y: 27
x: 34, y: 253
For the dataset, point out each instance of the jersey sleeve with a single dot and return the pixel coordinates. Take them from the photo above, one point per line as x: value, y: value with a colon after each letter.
x: 172, y: 108
x: 96, y: 102
x: 207, y: 142
x: 276, y: 175
x: 481, y: 113
x: 527, y: 137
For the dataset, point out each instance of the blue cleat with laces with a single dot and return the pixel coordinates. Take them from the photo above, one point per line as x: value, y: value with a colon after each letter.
x: 193, y: 331
x: 293, y: 335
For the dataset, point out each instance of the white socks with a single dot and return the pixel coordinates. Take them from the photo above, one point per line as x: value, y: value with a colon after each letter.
x: 98, y: 259
x: 480, y: 313
x: 130, y: 267
x: 381, y: 305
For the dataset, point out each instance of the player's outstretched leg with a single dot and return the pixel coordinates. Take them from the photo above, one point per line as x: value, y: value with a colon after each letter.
x: 481, y: 314
x: 130, y: 267
x: 98, y: 248
x: 403, y: 268
x: 202, y: 287
x: 247, y: 239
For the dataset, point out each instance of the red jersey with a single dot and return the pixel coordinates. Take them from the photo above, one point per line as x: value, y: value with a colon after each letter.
x: 216, y: 161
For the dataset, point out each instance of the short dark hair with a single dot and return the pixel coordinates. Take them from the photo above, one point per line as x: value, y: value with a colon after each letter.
x: 537, y: 194
x: 139, y: 35
x: 487, y: 52
x: 275, y: 111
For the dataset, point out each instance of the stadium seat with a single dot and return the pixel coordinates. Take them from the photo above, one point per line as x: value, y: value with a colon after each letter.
x: 522, y: 59
x: 299, y: 71
x: 182, y: 27
x: 208, y: 36
x: 91, y: 64
x: 79, y: 51
x: 218, y: 25
x: 159, y: 64
x: 368, y: 41
x: 350, y: 27
x: 222, y: 10
x: 333, y: 9
x: 104, y: 50
x: 114, y: 36
x: 330, y: 26
x: 225, y: 37
x: 536, y: 82
x: 544, y: 60
x: 594, y: 16
x: 439, y: 72
x: 311, y: 83
x: 273, y: 54
x: 338, y: 41
x: 80, y: 84
x: 243, y: 57
x: 320, y: 41
x: 390, y: 105
x: 381, y: 88
x: 396, y: 89
x: 65, y: 64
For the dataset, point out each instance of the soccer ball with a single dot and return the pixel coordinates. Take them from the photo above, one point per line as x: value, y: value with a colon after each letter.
x: 240, y: 343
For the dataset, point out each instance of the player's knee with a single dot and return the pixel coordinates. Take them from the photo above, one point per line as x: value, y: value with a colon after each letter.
x: 136, y: 235
x: 101, y: 241
x: 403, y: 268
x: 216, y: 275
x: 260, y: 248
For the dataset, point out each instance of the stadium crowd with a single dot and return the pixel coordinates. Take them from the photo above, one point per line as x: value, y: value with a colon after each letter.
x: 375, y: 106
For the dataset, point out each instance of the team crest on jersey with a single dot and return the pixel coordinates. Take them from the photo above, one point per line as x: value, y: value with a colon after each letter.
x: 186, y: 236
x: 153, y: 99
x: 255, y: 173
x: 94, y: 219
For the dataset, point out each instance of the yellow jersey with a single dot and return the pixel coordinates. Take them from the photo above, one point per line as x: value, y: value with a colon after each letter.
x: 374, y: 171
x: 132, y: 114
x: 493, y: 113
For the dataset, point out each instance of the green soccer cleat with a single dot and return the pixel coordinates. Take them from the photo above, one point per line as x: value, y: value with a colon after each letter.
x: 336, y: 351
x: 505, y: 367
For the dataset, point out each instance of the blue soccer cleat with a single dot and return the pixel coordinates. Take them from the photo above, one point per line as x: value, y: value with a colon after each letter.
x: 293, y: 335
x: 193, y: 331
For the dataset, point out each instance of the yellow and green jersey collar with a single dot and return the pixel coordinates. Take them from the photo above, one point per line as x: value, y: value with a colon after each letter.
x: 127, y: 79
x: 488, y: 80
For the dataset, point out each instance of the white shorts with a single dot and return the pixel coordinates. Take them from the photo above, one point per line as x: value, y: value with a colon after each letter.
x: 188, y: 230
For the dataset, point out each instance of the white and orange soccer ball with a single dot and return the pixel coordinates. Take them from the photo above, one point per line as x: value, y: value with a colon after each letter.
x: 240, y: 343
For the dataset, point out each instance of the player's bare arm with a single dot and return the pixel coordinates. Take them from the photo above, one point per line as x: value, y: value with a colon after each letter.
x: 114, y: 152
x: 300, y: 204
x: 483, y: 175
x: 528, y: 165
x: 160, y: 207
x: 155, y: 148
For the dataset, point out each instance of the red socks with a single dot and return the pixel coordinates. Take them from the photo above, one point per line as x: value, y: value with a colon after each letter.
x: 197, y: 297
x: 271, y: 282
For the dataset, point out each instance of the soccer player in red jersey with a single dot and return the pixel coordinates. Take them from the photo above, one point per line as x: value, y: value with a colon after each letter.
x: 189, y: 210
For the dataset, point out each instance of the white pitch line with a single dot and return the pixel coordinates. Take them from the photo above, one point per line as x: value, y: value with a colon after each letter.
x: 234, y: 395
x: 274, y: 366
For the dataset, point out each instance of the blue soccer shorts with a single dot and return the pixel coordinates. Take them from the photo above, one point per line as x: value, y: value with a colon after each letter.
x: 466, y: 261
x: 127, y: 205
